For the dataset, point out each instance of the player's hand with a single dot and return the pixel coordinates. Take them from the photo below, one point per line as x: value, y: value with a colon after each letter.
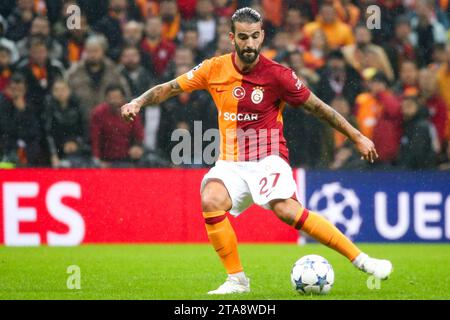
x: 366, y: 148
x: 130, y: 110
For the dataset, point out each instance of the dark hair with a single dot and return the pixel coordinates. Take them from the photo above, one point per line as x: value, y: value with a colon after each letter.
x: 115, y: 87
x: 246, y: 14
x: 380, y: 77
x: 336, y: 54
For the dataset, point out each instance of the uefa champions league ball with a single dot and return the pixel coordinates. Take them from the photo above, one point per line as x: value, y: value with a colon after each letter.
x: 312, y: 274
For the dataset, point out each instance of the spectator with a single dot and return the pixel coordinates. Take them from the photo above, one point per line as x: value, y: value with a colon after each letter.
x: 73, y: 42
x: 59, y: 27
x: 338, y: 33
x: 111, y: 25
x: 315, y: 57
x: 187, y: 8
x: 400, y: 47
x: 439, y: 56
x: 114, y: 140
x: 409, y: 77
x: 133, y: 33
x: 345, y: 154
x: 4, y: 42
x: 39, y: 70
x: 224, y: 8
x: 280, y: 47
x: 347, y: 12
x: 427, y: 31
x: 183, y: 57
x: 148, y: 8
x: 161, y: 51
x: 444, y: 84
x: 446, y: 163
x: 296, y: 62
x: 389, y: 11
x: 5, y: 68
x: 89, y: 79
x: 223, y: 26
x: 138, y: 78
x: 338, y: 78
x: 223, y: 46
x: 168, y: 10
x: 19, y: 20
x: 94, y: 13
x: 63, y: 124
x: 40, y: 27
x: 431, y: 99
x: 21, y: 132
x: 378, y: 115
x: 354, y: 53
x: 206, y: 24
x: 293, y: 25
x: 190, y: 40
x: 272, y: 11
x: 416, y: 149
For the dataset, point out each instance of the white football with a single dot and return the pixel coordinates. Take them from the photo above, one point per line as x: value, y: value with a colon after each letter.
x: 312, y: 274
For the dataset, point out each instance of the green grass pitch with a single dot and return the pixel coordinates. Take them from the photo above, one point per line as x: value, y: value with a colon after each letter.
x: 188, y: 271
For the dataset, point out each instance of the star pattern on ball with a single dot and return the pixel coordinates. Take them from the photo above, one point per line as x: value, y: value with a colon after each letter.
x: 322, y: 281
x: 299, y: 285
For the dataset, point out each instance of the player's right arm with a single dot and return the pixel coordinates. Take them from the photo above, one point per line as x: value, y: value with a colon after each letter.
x: 196, y: 79
x: 155, y: 95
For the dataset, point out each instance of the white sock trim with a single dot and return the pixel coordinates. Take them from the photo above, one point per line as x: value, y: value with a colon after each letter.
x: 359, y: 260
x: 240, y: 275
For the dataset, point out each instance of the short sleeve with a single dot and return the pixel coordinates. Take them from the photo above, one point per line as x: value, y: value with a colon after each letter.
x: 292, y: 89
x: 197, y: 78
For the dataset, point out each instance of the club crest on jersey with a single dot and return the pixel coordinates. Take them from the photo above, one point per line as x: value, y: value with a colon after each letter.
x: 257, y: 95
x: 239, y: 93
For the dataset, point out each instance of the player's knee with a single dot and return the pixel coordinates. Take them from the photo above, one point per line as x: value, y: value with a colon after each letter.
x: 214, y: 202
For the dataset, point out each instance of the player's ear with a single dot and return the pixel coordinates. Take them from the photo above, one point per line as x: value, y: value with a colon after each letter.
x: 231, y: 36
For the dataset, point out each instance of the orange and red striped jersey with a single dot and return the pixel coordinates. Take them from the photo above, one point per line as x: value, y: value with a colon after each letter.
x: 250, y: 105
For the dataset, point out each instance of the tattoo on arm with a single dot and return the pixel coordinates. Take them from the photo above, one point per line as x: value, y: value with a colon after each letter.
x: 160, y: 93
x: 175, y: 88
x: 325, y: 112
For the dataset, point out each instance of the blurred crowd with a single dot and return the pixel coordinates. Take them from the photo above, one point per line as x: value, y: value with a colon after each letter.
x: 61, y: 87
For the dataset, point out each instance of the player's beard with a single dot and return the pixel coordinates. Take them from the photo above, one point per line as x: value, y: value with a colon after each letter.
x: 245, y: 58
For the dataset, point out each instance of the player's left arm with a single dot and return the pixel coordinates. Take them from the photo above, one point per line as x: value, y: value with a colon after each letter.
x: 323, y: 111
